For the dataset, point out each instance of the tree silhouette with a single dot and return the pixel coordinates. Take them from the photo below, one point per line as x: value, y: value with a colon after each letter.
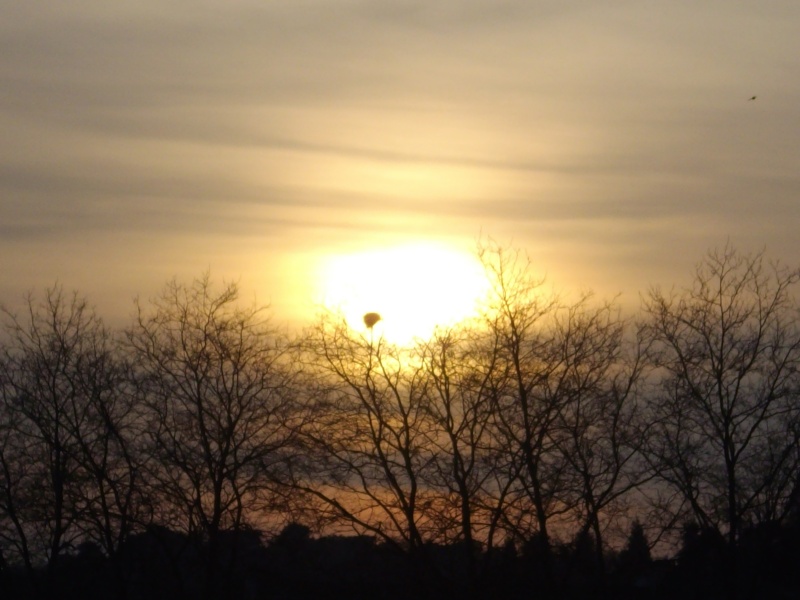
x: 458, y: 364
x: 524, y: 413
x: 727, y: 417
x: 67, y: 471
x: 528, y: 448
x: 635, y: 557
x: 367, y: 440
x: 598, y: 425
x: 218, y: 411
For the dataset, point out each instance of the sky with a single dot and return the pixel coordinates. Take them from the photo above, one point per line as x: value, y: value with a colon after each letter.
x: 614, y: 142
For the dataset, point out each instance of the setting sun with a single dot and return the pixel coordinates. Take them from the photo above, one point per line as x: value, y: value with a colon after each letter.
x: 414, y: 287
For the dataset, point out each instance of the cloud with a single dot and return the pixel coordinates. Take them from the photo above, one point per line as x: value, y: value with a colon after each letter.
x: 581, y: 130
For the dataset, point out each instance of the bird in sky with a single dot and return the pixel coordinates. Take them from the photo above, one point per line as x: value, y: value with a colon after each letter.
x: 753, y: 98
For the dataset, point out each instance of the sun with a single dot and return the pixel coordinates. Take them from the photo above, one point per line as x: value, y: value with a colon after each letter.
x: 415, y: 287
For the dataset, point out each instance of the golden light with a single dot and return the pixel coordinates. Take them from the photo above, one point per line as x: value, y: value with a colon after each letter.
x: 413, y: 287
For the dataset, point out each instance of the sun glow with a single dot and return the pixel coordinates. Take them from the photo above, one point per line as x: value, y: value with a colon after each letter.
x: 415, y: 288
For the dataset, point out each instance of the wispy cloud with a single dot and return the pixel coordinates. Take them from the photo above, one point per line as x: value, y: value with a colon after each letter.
x: 587, y: 132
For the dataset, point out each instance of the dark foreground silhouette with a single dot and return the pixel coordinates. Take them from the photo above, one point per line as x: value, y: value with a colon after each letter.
x: 159, y: 563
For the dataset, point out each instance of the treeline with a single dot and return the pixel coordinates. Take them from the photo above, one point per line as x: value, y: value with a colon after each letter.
x: 544, y: 448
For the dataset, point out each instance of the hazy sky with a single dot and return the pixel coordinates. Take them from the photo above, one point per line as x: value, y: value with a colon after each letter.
x: 614, y: 141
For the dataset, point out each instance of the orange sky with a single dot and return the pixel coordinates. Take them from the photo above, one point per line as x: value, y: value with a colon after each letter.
x: 614, y: 143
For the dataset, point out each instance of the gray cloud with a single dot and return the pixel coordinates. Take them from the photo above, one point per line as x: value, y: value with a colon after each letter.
x: 607, y: 131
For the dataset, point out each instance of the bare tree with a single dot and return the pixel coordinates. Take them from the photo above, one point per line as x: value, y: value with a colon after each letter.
x: 368, y: 441
x: 518, y: 316
x: 67, y: 474
x: 103, y: 427
x: 459, y: 364
x: 598, y: 429
x: 726, y: 416
x: 565, y: 414
x: 218, y: 410
x: 16, y: 485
